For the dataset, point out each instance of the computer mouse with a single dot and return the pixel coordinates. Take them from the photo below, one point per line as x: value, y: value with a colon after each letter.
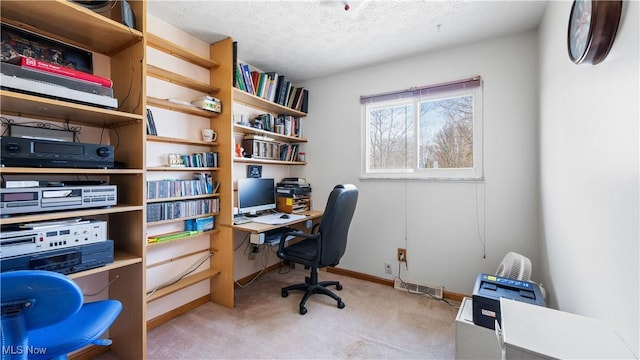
x: 284, y: 216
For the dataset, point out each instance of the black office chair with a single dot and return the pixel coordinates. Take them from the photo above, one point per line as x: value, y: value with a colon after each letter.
x: 323, y: 247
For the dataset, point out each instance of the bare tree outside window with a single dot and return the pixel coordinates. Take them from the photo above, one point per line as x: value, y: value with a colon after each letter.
x: 446, y: 133
x: 391, y: 137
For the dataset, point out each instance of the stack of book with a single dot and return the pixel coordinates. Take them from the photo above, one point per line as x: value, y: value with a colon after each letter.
x: 272, y: 87
x: 180, y: 209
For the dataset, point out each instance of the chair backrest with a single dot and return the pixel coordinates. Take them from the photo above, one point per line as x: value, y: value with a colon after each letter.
x: 334, y: 226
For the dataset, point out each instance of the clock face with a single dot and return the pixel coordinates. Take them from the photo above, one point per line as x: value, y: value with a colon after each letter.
x: 579, y: 28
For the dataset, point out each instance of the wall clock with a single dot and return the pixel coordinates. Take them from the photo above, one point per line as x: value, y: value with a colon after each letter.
x: 592, y: 28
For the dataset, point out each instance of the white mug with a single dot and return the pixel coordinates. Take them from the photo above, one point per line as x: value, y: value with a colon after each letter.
x: 209, y: 135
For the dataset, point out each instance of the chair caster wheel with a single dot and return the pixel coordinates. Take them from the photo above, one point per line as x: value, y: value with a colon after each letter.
x: 303, y: 310
x: 340, y: 305
x: 338, y: 287
x: 285, y: 293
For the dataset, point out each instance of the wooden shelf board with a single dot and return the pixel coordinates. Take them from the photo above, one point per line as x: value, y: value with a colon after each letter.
x: 71, y: 23
x: 179, y: 52
x: 167, y: 168
x: 181, y: 80
x: 241, y: 129
x: 25, y: 170
x: 205, y: 196
x: 170, y: 140
x: 266, y: 161
x: 191, y: 110
x: 69, y: 214
x: 183, y: 238
x: 14, y: 103
x: 121, y: 259
x: 255, y: 101
x: 187, y: 281
x: 181, y: 219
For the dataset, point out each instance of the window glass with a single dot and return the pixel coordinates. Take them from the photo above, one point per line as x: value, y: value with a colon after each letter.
x: 434, y: 136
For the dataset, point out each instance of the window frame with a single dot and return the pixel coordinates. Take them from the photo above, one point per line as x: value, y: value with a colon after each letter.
x: 475, y: 173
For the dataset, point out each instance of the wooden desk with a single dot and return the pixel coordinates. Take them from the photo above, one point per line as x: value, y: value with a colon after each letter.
x: 255, y: 228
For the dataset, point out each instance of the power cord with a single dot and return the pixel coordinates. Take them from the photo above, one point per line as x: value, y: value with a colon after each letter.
x: 104, y: 288
x: 181, y: 276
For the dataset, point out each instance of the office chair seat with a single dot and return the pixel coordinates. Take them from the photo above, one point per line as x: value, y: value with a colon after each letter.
x: 83, y: 328
x: 43, y: 316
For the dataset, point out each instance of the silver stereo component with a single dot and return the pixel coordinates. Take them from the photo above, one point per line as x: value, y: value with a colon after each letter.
x: 32, y: 200
x: 50, y: 236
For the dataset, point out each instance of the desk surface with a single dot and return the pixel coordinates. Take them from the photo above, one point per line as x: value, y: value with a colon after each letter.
x: 254, y: 227
x: 555, y: 334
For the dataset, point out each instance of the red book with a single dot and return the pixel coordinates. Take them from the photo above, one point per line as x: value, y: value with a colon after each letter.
x: 35, y: 64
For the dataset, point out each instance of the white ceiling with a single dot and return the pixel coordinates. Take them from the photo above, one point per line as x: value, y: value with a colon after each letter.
x: 314, y: 38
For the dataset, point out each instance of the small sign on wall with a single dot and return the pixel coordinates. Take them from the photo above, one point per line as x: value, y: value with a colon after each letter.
x: 254, y: 171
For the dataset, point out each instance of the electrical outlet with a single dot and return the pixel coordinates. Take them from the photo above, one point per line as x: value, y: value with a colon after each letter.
x: 387, y: 268
x: 254, y: 250
x: 402, y: 255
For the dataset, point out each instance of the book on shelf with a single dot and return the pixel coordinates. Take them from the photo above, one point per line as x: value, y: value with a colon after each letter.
x: 238, y: 79
x: 305, y: 101
x: 30, y: 63
x: 151, y: 124
x: 246, y: 76
x: 273, y: 83
x: 234, y: 47
x: 170, y: 236
x: 283, y: 86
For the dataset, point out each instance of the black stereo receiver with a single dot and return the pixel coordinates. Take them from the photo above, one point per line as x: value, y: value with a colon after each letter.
x: 66, y: 261
x: 26, y: 152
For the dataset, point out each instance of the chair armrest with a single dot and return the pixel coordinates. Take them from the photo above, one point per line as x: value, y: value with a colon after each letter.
x: 298, y: 234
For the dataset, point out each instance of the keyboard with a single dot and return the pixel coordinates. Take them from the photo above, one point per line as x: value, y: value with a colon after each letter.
x: 272, y: 238
x: 238, y: 220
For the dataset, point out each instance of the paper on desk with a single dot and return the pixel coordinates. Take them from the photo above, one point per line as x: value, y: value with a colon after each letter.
x: 276, y: 220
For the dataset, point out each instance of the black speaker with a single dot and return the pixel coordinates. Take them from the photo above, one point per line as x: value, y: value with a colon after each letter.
x: 118, y: 10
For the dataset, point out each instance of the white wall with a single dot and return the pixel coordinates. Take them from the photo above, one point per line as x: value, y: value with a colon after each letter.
x: 589, y: 160
x: 443, y: 219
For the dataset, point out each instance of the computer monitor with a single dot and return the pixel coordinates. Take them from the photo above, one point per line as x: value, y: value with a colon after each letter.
x: 256, y: 194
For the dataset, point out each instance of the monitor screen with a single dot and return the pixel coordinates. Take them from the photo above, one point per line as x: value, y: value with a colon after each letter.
x: 256, y: 194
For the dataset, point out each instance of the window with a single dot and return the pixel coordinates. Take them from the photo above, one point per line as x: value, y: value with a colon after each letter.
x: 433, y: 132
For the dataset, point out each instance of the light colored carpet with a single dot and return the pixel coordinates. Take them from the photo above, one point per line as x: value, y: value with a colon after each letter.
x: 378, y: 322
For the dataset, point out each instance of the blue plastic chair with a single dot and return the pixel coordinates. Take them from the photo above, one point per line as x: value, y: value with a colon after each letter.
x: 43, y: 316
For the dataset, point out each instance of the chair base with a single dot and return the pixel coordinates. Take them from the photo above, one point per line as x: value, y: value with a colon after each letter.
x: 313, y: 286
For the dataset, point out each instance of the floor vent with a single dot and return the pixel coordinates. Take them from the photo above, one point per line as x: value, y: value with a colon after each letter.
x: 434, y: 291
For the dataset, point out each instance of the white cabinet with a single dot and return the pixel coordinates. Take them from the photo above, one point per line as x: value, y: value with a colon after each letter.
x: 536, y: 332
x: 473, y: 341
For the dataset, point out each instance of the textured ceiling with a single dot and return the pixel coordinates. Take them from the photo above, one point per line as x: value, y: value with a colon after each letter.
x: 310, y: 39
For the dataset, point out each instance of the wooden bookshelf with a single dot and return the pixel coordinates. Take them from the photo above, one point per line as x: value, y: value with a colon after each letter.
x: 241, y: 129
x: 204, y: 196
x: 121, y: 53
x: 184, y: 168
x: 19, y: 104
x: 171, y: 140
x: 69, y: 214
x: 181, y: 80
x: 178, y: 51
x: 267, y: 161
x: 266, y: 105
x: 173, y: 106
